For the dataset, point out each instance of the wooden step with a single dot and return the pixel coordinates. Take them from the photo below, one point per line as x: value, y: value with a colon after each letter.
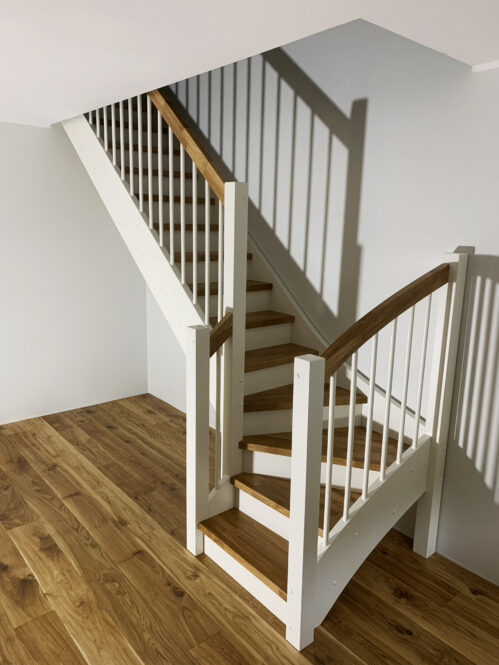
x: 251, y: 286
x: 272, y: 356
x: 282, y: 398
x: 275, y: 492
x: 257, y: 548
x: 166, y: 173
x: 201, y: 255
x: 262, y: 319
x: 154, y: 150
x: 280, y: 444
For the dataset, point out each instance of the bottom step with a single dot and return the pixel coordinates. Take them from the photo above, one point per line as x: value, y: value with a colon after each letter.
x: 257, y: 548
x: 275, y: 492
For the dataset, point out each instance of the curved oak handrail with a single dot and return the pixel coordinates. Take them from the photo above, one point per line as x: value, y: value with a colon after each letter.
x: 366, y: 327
x: 220, y: 332
x: 187, y: 139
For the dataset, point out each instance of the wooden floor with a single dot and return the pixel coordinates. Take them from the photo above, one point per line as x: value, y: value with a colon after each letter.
x: 93, y: 567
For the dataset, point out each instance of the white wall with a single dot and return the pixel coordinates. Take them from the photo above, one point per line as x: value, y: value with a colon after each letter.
x: 424, y: 181
x: 72, y: 331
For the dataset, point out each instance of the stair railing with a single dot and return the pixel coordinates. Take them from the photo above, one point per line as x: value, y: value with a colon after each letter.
x: 316, y: 573
x: 158, y: 158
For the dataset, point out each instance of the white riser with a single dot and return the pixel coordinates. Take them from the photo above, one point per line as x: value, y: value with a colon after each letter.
x: 200, y: 269
x: 270, y: 377
x: 280, y: 466
x: 166, y: 184
x: 256, y: 338
x: 261, y: 512
x: 266, y: 422
x: 189, y: 235
x: 255, y: 301
x: 247, y: 580
x: 176, y: 211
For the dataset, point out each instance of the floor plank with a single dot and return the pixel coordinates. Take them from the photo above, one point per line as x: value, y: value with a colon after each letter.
x: 93, y: 503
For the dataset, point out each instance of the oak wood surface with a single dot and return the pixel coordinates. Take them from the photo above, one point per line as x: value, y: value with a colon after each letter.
x: 162, y: 605
x: 366, y: 327
x: 187, y: 138
x: 263, y: 318
x: 272, y: 356
x: 280, y: 444
x: 221, y: 332
x: 282, y: 398
x: 252, y: 285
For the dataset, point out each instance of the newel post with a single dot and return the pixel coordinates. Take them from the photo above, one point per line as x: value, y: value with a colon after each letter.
x: 308, y: 401
x: 197, y: 432
x: 234, y: 298
x: 440, y: 402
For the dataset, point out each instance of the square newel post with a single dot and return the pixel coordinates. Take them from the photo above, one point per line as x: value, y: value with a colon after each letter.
x: 197, y: 433
x: 440, y: 403
x: 308, y: 402
x: 234, y: 298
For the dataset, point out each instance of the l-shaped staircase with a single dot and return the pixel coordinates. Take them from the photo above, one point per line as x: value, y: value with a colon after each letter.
x: 297, y: 463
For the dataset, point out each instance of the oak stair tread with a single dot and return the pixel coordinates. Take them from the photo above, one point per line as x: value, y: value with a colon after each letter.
x: 252, y: 285
x: 275, y: 493
x: 282, y: 398
x: 166, y: 172
x: 272, y: 356
x: 154, y: 149
x: 201, y: 255
x: 257, y: 548
x: 263, y: 318
x: 280, y: 444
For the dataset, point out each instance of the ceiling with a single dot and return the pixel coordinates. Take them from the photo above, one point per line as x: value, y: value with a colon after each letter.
x: 58, y: 58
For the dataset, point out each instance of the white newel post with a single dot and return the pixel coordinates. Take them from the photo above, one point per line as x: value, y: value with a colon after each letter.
x: 197, y: 432
x: 440, y: 403
x: 234, y: 288
x: 308, y: 400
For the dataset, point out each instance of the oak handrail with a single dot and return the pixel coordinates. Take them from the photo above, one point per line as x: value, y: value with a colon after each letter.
x: 188, y: 140
x: 220, y: 333
x: 366, y: 327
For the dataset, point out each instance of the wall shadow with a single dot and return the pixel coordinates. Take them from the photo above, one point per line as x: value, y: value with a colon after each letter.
x: 474, y: 426
x: 265, y: 121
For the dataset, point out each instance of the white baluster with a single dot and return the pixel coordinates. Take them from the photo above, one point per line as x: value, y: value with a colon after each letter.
x: 171, y: 176
x: 422, y: 366
x: 350, y: 442
x: 220, y: 259
x: 160, y: 178
x: 388, y: 397
x: 194, y: 233
x: 149, y: 163
x: 106, y: 142
x: 218, y: 431
x: 141, y: 151
x: 329, y: 459
x: 97, y: 122
x: 130, y: 143
x: 90, y: 117
x: 122, y: 142
x: 182, y: 213
x: 369, y: 424
x: 407, y: 369
x: 207, y: 252
x: 113, y: 133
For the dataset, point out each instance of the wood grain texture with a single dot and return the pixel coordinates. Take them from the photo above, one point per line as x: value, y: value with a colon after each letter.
x: 275, y: 492
x: 258, y: 549
x: 280, y: 444
x: 251, y: 286
x: 221, y: 332
x: 272, y: 356
x: 363, y: 329
x: 282, y: 398
x: 187, y: 138
x: 127, y: 458
x: 263, y: 318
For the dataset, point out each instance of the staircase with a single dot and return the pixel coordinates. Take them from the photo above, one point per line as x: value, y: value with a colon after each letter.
x: 297, y: 463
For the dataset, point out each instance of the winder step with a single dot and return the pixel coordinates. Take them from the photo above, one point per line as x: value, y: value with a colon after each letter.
x: 275, y: 493
x: 257, y: 548
x: 282, y: 398
x: 280, y: 444
x: 263, y: 318
x: 251, y: 286
x: 272, y: 356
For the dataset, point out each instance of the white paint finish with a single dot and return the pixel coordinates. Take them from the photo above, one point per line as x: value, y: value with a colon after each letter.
x: 259, y: 511
x: 369, y: 521
x: 123, y: 43
x: 73, y: 321
x: 246, y: 579
x: 429, y: 183
x: 161, y: 278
